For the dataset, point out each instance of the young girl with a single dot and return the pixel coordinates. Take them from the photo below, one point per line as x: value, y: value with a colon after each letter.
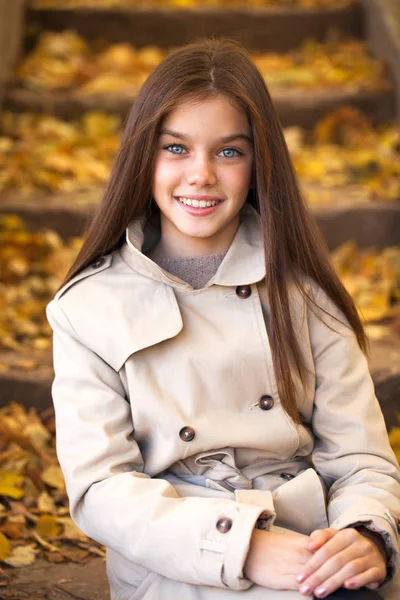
x: 216, y: 421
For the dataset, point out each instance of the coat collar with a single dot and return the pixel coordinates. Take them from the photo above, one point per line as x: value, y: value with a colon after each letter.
x: 243, y: 263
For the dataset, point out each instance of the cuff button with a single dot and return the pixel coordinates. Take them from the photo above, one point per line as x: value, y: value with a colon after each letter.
x: 187, y: 434
x: 224, y: 524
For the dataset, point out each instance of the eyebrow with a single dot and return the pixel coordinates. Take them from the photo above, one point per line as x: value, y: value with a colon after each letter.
x: 224, y: 140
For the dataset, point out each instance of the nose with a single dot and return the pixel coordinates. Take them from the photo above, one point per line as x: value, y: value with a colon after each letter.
x: 201, y: 173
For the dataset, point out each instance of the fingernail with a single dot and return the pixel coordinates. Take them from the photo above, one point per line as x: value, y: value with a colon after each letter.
x: 305, y: 589
x: 315, y: 532
x: 300, y: 577
x: 320, y: 591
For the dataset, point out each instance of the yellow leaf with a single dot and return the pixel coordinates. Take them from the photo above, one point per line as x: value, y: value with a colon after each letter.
x: 53, y: 477
x: 47, y: 525
x: 45, y: 503
x: 10, y: 484
x: 394, y: 437
x: 71, y: 531
x: 21, y: 556
x: 4, y: 546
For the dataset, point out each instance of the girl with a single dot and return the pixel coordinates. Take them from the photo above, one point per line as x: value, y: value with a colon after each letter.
x: 216, y: 422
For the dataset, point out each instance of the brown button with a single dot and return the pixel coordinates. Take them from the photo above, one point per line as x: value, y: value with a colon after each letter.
x: 287, y: 476
x: 187, y: 434
x: 266, y: 402
x: 224, y: 524
x: 99, y: 263
x: 243, y: 291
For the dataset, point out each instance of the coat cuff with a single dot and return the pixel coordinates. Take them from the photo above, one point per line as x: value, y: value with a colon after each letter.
x: 382, y: 524
x: 224, y: 554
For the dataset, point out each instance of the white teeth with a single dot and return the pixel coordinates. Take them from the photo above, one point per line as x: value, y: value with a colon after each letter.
x: 198, y: 203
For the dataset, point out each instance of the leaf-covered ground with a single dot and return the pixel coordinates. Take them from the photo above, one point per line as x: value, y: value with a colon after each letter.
x: 34, y: 516
x: 345, y: 155
x: 67, y: 61
x: 188, y: 4
x: 34, y: 265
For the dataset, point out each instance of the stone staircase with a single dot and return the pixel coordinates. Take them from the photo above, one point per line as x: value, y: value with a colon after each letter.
x: 262, y: 29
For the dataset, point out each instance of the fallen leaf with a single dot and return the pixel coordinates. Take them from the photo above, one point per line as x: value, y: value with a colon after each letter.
x: 47, y: 525
x: 53, y: 477
x: 70, y: 530
x: 45, y: 503
x: 10, y: 484
x: 21, y: 556
x: 5, y: 547
x: 54, y: 557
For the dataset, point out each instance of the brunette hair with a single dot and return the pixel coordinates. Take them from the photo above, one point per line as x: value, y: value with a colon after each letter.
x: 292, y: 241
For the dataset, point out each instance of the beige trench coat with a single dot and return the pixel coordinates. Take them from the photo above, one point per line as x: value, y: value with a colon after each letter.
x: 169, y: 419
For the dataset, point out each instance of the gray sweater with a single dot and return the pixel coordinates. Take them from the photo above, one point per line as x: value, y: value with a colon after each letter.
x: 194, y: 270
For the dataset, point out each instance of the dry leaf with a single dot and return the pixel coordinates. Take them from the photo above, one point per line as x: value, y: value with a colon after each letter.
x: 47, y: 526
x: 10, y: 484
x: 21, y: 556
x: 394, y: 437
x: 53, y: 477
x: 54, y: 557
x: 5, y: 547
x: 45, y: 503
x: 70, y: 530
x: 14, y: 527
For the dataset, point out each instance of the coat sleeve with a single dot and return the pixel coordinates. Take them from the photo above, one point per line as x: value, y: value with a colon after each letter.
x: 112, y: 500
x: 352, y: 450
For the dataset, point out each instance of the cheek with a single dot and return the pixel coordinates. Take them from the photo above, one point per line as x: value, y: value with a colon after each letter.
x: 165, y: 172
x: 237, y: 179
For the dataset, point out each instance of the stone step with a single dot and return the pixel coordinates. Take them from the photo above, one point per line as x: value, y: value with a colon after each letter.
x: 32, y: 387
x: 278, y: 29
x: 67, y: 214
x: 299, y: 107
x: 373, y: 224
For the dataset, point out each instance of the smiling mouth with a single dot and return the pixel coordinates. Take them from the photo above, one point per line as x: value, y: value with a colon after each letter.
x: 197, y: 203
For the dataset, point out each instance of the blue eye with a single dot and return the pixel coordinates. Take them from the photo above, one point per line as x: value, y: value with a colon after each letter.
x: 231, y: 153
x: 175, y: 148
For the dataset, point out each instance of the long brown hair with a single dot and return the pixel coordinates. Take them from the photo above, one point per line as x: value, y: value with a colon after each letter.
x: 293, y: 243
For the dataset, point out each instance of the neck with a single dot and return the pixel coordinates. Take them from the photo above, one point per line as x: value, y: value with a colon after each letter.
x: 173, y: 243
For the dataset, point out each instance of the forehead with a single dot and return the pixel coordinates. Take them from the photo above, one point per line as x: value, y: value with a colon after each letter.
x: 214, y: 117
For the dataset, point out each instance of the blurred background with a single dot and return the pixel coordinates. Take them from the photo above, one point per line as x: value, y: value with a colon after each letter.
x: 69, y: 72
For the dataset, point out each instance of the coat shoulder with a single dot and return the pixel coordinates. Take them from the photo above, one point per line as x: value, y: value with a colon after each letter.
x: 116, y: 311
x: 95, y: 268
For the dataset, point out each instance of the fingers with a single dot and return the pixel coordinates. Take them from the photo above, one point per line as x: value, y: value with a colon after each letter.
x: 371, y: 586
x: 319, y: 537
x: 346, y: 559
x: 366, y: 579
x: 341, y: 579
x: 334, y: 544
x: 332, y: 574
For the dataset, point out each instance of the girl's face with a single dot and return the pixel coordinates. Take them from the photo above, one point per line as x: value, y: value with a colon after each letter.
x: 202, y: 176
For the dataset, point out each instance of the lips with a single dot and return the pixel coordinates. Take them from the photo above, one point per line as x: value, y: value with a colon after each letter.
x: 198, y: 207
